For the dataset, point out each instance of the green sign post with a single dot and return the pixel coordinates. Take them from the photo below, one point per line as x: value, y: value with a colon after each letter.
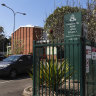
x: 72, y: 26
x: 72, y: 34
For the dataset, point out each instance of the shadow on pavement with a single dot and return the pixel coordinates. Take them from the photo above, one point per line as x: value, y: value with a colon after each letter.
x: 18, y: 77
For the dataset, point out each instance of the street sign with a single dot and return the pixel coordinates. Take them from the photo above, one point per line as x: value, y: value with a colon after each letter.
x: 72, y: 33
x: 88, y: 52
x: 87, y: 65
x: 93, y: 53
x: 72, y: 26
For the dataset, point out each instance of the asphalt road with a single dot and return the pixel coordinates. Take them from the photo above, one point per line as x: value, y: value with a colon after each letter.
x: 9, y: 87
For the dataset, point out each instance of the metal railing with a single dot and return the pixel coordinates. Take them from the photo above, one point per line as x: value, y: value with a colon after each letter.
x: 57, y: 68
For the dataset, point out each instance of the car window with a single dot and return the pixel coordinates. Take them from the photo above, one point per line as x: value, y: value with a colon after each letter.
x: 11, y: 58
x: 30, y: 58
x: 24, y: 58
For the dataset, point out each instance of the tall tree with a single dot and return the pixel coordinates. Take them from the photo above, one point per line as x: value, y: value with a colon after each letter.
x: 3, y: 40
x: 91, y: 19
x: 55, y: 21
x: 1, y: 33
x: 1, y: 29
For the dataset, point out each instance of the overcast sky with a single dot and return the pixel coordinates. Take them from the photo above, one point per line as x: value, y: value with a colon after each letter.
x: 37, y: 11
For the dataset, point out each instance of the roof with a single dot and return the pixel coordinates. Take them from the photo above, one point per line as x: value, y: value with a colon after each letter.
x: 32, y: 26
x: 28, y: 26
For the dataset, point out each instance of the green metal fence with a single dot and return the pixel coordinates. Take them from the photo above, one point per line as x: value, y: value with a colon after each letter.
x: 91, y: 74
x: 58, y: 68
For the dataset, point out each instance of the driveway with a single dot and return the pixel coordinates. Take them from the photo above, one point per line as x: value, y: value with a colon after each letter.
x: 14, y: 87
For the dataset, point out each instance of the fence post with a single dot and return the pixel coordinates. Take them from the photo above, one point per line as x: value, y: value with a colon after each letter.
x: 34, y: 71
x: 83, y: 67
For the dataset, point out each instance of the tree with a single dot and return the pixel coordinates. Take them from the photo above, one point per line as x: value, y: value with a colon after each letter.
x: 91, y: 20
x: 55, y: 21
x: 2, y: 37
x: 4, y: 42
x: 1, y: 33
x: 18, y: 47
x: 1, y: 29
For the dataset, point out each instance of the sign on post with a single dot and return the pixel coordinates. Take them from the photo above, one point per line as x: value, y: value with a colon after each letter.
x: 72, y: 26
x: 72, y: 33
x: 93, y: 53
x: 88, y: 52
x: 87, y: 65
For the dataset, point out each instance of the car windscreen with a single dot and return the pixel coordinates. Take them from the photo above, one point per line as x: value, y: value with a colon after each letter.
x: 11, y: 58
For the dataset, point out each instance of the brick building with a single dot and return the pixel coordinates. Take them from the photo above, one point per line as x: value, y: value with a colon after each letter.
x: 27, y: 34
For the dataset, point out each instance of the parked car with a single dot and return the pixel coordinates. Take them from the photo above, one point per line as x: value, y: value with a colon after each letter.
x: 15, y: 64
x: 2, y: 57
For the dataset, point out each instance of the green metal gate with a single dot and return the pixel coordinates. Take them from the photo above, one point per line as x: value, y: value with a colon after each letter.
x: 59, y: 68
x: 90, y: 80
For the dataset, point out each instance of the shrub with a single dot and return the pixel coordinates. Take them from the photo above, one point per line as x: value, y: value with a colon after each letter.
x: 53, y: 73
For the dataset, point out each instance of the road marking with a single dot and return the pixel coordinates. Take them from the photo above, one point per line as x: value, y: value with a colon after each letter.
x: 2, y: 82
x: 6, y: 82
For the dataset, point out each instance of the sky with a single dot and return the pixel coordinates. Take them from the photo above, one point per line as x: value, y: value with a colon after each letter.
x: 36, y: 12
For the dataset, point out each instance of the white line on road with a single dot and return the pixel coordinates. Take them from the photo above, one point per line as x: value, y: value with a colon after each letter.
x: 5, y: 82
x: 2, y: 82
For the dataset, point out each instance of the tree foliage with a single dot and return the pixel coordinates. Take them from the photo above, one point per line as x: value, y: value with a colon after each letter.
x: 3, y: 40
x: 18, y: 47
x: 1, y: 33
x: 1, y: 29
x: 55, y: 21
x: 91, y: 20
x: 3, y: 44
x: 57, y: 73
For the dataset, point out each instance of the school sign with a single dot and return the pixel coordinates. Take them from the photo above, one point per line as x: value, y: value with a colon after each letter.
x: 72, y: 26
x: 72, y: 34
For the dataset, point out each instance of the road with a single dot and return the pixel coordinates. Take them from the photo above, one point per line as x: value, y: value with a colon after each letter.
x: 14, y: 87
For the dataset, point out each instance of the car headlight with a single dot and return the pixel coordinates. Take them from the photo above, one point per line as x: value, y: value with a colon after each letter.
x: 4, y: 66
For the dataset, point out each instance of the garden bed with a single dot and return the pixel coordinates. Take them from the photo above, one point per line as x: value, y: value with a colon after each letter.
x: 61, y: 90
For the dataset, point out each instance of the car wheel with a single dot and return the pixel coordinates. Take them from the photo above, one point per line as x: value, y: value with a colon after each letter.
x: 13, y: 73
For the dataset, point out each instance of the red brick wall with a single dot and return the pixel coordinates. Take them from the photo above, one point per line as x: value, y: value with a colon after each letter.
x: 12, y: 41
x: 28, y: 42
x: 31, y: 40
x: 22, y: 38
x: 27, y: 35
x: 25, y: 50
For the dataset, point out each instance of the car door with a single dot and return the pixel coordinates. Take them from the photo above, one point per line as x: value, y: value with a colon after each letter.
x: 30, y: 62
x: 22, y: 64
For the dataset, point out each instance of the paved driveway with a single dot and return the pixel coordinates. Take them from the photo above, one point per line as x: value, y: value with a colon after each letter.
x: 14, y: 87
